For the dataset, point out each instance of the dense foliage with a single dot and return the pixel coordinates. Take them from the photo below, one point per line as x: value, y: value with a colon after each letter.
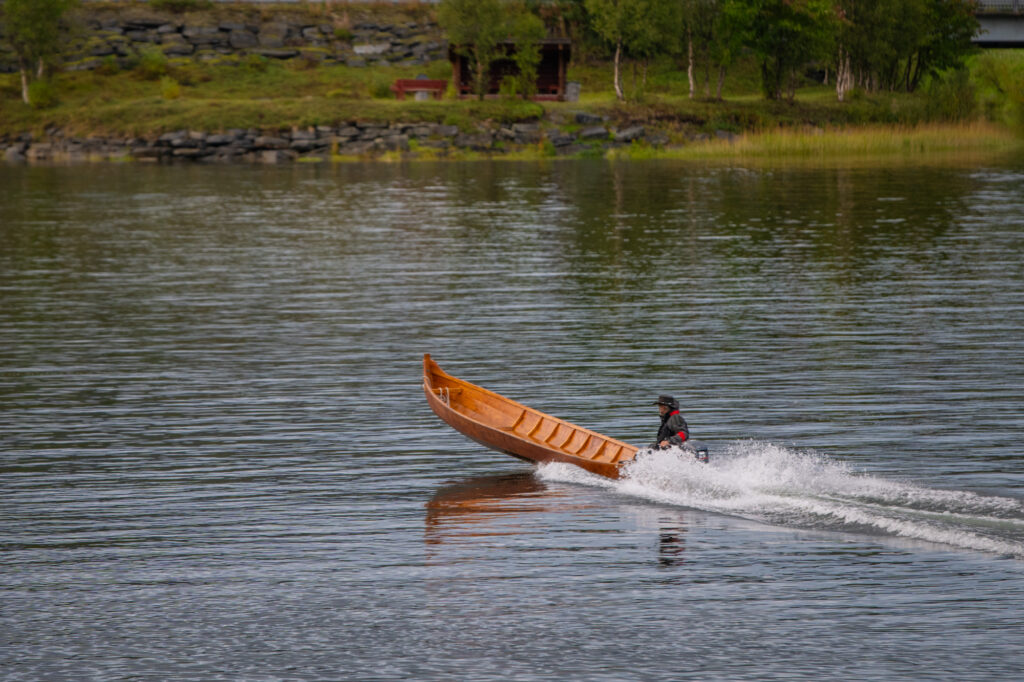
x: 871, y: 44
x: 32, y: 28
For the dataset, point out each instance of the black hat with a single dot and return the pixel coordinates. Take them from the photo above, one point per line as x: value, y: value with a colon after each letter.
x: 666, y: 400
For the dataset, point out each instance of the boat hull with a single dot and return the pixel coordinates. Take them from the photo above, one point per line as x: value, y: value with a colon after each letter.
x: 501, y: 424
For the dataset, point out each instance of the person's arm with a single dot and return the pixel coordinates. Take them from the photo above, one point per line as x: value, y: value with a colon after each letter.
x: 679, y: 430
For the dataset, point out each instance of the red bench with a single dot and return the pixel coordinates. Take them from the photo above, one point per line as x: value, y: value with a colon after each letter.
x: 415, y: 85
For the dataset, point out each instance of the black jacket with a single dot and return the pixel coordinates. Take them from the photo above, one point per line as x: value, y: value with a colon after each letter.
x: 673, y: 429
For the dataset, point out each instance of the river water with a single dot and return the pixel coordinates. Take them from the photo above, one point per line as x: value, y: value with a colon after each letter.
x: 216, y: 462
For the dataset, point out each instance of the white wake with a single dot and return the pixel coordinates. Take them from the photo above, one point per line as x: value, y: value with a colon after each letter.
x: 776, y: 485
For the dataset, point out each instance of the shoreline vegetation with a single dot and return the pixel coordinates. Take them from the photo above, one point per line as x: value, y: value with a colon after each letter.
x: 247, y: 107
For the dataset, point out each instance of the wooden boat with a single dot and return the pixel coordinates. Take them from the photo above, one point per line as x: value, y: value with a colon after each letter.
x: 502, y: 424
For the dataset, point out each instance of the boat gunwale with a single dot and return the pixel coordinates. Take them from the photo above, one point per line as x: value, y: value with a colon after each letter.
x: 626, y: 452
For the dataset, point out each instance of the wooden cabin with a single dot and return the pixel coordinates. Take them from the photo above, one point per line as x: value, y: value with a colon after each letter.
x: 551, y: 72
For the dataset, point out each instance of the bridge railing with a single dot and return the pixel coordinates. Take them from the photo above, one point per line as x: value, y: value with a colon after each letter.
x: 1000, y: 6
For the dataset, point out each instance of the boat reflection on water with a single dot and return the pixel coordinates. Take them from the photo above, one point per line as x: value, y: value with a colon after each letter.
x: 494, y: 506
x: 474, y: 507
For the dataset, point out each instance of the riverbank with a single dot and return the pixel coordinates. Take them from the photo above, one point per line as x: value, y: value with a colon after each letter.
x: 272, y: 85
x: 519, y: 141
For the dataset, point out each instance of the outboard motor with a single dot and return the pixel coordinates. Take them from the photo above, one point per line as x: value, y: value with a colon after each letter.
x: 699, y: 450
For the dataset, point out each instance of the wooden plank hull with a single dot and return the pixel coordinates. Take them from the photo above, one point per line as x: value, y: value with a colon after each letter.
x: 502, y: 424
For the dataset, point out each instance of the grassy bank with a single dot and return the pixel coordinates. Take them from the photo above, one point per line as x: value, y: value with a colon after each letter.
x: 159, y: 95
x: 934, y: 141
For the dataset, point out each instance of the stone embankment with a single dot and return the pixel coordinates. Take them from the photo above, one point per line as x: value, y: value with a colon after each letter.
x: 356, y: 139
x: 117, y: 37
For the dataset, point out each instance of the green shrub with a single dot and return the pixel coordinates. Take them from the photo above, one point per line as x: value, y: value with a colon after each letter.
x: 42, y: 94
x: 152, y: 64
x: 380, y: 87
x: 1000, y: 77
x: 109, y: 66
x: 256, y: 62
x: 951, y: 96
x: 170, y: 88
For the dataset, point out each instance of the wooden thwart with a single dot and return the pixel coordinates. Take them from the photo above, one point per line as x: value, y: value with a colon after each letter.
x: 515, y: 429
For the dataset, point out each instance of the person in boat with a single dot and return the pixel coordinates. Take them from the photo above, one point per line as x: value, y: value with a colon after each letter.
x: 673, y: 429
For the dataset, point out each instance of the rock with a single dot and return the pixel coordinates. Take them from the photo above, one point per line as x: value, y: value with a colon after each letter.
x: 174, y: 45
x: 102, y: 50
x: 725, y: 135
x: 270, y: 156
x: 477, y: 142
x: 594, y: 133
x: 39, y: 152
x: 203, y: 35
x: 307, y: 145
x: 168, y: 28
x: 422, y: 131
x: 242, y: 39
x: 357, y: 148
x: 269, y: 142
x: 14, y: 154
x: 272, y: 35
x: 393, y: 143
x: 143, y: 22
x: 447, y: 131
x: 657, y: 139
x: 371, y: 49
x: 586, y: 119
x: 560, y: 139
x: 278, y: 53
x: 141, y: 36
x: 168, y: 139
x: 189, y: 152
x: 630, y: 134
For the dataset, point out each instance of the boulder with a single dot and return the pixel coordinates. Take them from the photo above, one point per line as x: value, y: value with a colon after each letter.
x: 273, y: 35
x: 278, y: 53
x: 371, y: 49
x: 242, y: 39
x: 270, y: 142
x: 203, y: 35
x: 560, y: 139
x: 594, y: 133
x: 630, y: 134
x: 587, y: 119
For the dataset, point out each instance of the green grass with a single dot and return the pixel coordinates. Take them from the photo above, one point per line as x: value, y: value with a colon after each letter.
x: 920, y: 145
x: 238, y: 95
x: 253, y: 92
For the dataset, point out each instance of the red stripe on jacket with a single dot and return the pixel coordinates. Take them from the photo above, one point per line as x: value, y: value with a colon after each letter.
x: 681, y: 434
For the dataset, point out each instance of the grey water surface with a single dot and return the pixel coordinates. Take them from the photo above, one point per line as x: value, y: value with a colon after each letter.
x: 216, y: 462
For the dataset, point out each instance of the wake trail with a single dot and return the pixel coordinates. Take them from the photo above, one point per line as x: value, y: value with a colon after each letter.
x: 779, y: 486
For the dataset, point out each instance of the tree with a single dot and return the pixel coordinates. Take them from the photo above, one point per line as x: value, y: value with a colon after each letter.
x: 785, y: 35
x: 893, y: 44
x: 947, y: 40
x: 480, y: 29
x: 637, y: 28
x: 712, y: 41
x: 476, y: 28
x: 33, y: 29
x: 527, y: 31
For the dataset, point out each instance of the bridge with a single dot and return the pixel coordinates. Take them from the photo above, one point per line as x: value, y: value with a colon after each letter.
x: 1002, y: 23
